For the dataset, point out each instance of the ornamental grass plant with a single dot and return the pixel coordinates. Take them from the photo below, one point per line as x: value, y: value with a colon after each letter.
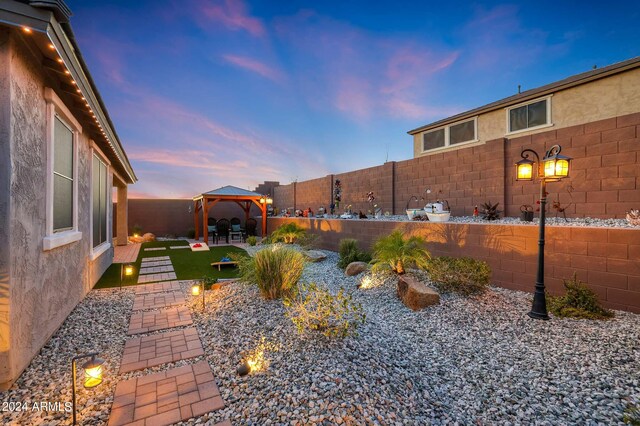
x: 462, y: 275
x: 349, y: 252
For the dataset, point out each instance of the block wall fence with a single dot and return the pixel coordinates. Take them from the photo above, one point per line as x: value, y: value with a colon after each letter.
x: 606, y: 259
x: 604, y: 181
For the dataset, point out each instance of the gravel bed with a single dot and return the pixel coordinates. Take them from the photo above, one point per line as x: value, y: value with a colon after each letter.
x: 556, y: 221
x: 98, y: 324
x: 465, y: 361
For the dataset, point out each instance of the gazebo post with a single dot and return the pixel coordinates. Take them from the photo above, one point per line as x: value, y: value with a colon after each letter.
x: 263, y: 207
x: 195, y: 219
x: 247, y: 209
x: 205, y: 220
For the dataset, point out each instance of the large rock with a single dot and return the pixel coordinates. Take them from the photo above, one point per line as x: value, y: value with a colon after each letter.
x: 355, y: 268
x: 148, y: 237
x: 415, y: 294
x: 315, y: 255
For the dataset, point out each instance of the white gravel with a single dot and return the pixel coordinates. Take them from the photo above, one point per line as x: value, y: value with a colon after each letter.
x: 466, y: 361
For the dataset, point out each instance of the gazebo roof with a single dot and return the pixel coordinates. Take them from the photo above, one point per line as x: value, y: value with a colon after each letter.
x: 229, y: 191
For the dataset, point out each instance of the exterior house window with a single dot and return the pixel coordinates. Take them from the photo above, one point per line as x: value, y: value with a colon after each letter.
x: 61, y: 196
x: 99, y: 190
x: 457, y: 133
x: 531, y: 115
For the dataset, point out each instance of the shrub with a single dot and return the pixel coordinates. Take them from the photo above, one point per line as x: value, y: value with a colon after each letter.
x: 208, y: 282
x: 461, y: 275
x: 288, y: 233
x: 137, y: 229
x: 579, y: 302
x: 276, y: 271
x: 349, y: 252
x: 632, y: 414
x: 316, y: 309
x: 252, y: 240
x: 397, y: 252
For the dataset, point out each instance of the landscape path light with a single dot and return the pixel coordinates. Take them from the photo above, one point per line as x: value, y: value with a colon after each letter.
x: 195, y: 291
x: 552, y: 168
x: 126, y: 270
x: 92, y: 375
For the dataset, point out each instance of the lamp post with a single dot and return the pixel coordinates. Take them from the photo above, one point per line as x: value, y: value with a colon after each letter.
x: 92, y: 375
x: 126, y: 270
x: 195, y: 291
x: 552, y: 168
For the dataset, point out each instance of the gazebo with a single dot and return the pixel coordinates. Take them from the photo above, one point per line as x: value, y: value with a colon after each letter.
x: 242, y: 197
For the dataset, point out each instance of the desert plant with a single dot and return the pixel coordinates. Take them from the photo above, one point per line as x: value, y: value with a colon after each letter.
x: 396, y: 252
x: 208, y: 282
x: 632, y: 414
x: 275, y: 270
x: 490, y: 211
x: 462, y: 275
x: 137, y: 229
x: 252, y: 240
x: 578, y: 302
x: 288, y: 233
x: 349, y: 252
x: 316, y: 309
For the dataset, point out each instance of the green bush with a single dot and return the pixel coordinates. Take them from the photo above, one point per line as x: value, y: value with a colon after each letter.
x: 396, y: 252
x: 191, y: 233
x: 288, y: 233
x: 316, y: 309
x: 275, y: 270
x: 461, y: 275
x: 208, y: 282
x: 136, y: 229
x: 579, y: 302
x: 349, y: 252
x: 252, y: 240
x: 632, y: 414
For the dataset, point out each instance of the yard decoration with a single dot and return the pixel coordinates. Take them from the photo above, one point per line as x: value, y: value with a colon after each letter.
x: 490, y: 211
x: 337, y: 194
x: 633, y: 217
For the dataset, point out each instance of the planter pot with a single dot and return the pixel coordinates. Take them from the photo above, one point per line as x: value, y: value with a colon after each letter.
x: 439, y: 217
x: 411, y: 213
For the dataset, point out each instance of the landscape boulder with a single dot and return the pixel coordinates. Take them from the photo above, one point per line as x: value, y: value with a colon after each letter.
x: 315, y: 255
x: 415, y: 294
x: 355, y: 268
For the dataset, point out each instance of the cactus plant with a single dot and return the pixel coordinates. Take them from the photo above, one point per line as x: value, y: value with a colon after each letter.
x: 490, y: 211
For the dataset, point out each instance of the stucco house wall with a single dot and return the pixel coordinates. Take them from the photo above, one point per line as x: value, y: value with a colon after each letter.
x: 43, y: 285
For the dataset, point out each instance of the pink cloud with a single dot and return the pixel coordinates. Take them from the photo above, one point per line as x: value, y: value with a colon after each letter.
x: 233, y: 14
x: 255, y: 66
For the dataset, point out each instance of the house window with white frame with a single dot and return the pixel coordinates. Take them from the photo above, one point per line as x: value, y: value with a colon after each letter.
x: 453, y: 134
x: 62, y: 177
x: 531, y: 115
x: 99, y: 202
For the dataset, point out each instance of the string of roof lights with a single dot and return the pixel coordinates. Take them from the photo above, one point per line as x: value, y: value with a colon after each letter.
x: 59, y: 59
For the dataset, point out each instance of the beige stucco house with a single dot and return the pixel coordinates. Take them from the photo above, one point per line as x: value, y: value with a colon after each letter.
x: 60, y: 158
x: 602, y: 93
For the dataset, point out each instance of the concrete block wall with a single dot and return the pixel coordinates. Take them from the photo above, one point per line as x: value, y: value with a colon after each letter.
x: 604, y: 180
x: 606, y: 259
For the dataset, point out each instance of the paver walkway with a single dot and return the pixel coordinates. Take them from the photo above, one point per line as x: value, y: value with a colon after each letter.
x: 126, y: 254
x: 148, y: 321
x: 158, y: 300
x: 158, y: 349
x: 165, y: 276
x: 166, y: 397
x: 158, y: 287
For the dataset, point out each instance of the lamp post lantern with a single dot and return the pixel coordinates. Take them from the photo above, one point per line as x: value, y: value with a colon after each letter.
x: 92, y: 375
x: 552, y: 168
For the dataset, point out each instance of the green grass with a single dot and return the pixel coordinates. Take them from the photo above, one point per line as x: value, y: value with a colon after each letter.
x: 188, y: 265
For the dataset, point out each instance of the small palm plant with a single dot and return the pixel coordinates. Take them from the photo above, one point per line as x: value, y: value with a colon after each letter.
x: 396, y: 252
x: 289, y: 233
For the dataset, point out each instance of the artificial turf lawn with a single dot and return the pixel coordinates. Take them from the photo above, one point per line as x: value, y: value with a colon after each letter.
x: 187, y: 264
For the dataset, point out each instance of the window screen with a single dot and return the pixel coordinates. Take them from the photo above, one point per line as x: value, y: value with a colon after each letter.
x: 62, y: 176
x: 433, y: 140
x: 462, y: 132
x: 99, y: 201
x: 527, y: 116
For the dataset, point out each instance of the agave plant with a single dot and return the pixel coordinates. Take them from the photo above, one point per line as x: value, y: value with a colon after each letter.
x: 490, y: 211
x: 633, y: 217
x: 396, y: 252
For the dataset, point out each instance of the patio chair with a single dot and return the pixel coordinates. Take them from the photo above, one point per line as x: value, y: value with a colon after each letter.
x: 236, y: 230
x: 211, y: 228
x: 222, y: 230
x: 251, y: 227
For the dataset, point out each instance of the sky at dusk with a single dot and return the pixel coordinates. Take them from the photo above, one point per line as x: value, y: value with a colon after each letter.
x: 207, y: 93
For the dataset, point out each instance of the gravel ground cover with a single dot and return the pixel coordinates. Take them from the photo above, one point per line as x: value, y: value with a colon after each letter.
x: 555, y: 221
x: 465, y: 361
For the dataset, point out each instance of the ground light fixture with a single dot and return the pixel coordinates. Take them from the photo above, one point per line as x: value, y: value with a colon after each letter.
x: 552, y: 168
x: 196, y: 290
x: 126, y: 270
x: 92, y: 375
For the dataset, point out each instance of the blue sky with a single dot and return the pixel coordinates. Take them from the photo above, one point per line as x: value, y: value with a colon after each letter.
x: 205, y: 93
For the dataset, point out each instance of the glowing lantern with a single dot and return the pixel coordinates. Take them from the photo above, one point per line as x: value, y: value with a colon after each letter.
x: 195, y: 290
x: 93, y: 372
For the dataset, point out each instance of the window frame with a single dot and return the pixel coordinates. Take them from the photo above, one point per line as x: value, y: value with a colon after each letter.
x: 549, y: 122
x: 447, y: 134
x: 55, y: 107
x: 97, y: 251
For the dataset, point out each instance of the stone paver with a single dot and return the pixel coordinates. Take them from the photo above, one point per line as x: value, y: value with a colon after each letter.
x: 158, y: 287
x: 166, y: 397
x: 158, y: 300
x: 155, y: 249
x: 156, y: 263
x: 148, y: 321
x: 155, y: 259
x: 158, y: 349
x: 179, y: 247
x: 156, y: 269
x: 165, y: 276
x: 126, y: 254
